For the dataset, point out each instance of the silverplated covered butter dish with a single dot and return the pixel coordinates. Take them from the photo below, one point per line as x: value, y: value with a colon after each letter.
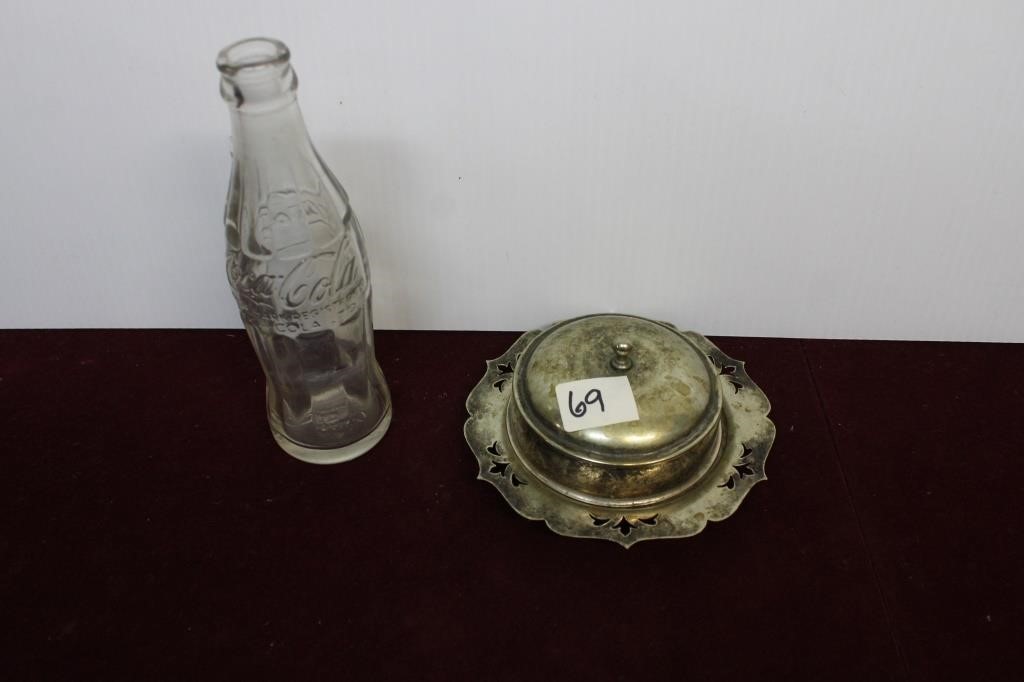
x: 619, y: 427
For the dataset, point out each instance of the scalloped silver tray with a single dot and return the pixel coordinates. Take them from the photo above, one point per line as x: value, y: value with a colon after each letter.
x: 739, y: 465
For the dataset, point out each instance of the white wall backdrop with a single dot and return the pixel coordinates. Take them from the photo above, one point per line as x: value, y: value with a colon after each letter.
x: 813, y: 168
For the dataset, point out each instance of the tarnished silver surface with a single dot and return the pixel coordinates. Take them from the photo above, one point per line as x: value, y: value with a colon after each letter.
x: 697, y: 449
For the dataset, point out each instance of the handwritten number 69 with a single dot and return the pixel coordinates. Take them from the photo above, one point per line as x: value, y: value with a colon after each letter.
x: 592, y: 396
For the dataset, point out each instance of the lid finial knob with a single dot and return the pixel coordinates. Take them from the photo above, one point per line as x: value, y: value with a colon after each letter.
x: 622, y: 361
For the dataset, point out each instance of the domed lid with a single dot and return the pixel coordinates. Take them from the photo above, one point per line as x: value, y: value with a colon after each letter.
x: 677, y: 397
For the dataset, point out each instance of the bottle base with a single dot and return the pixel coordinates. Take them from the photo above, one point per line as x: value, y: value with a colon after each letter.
x: 334, y: 455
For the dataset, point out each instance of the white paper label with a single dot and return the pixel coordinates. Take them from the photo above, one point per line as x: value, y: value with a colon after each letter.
x: 595, y: 402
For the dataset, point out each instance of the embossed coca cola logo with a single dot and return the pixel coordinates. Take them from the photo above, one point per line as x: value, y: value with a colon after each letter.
x: 313, y: 260
x: 311, y: 282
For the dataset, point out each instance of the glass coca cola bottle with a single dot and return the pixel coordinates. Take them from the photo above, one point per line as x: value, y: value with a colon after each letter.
x: 297, y: 267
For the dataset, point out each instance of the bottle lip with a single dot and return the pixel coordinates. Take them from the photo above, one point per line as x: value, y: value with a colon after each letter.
x: 252, y: 53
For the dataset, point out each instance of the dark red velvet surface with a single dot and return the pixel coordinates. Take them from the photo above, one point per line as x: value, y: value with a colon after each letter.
x: 152, y: 528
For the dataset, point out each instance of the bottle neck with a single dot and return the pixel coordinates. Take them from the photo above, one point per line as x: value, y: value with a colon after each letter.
x: 272, y: 134
x: 268, y: 133
x: 257, y: 90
